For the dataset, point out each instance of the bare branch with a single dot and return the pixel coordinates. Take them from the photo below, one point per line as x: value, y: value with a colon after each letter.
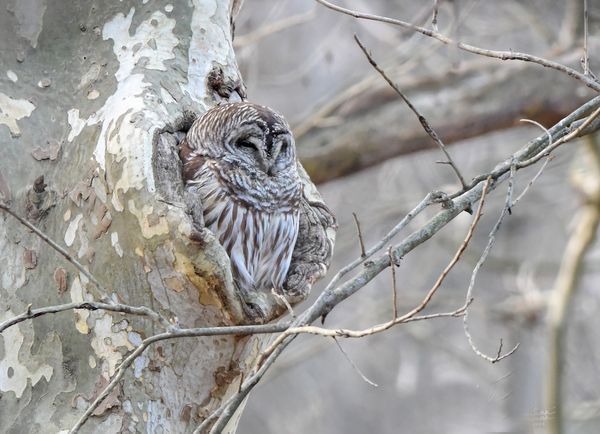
x: 394, y: 289
x: 224, y: 413
x: 391, y: 234
x: 491, y: 239
x: 360, y: 236
x: 87, y: 305
x: 434, y: 20
x: 358, y: 371
x: 430, y: 131
x: 542, y: 168
x: 585, y: 60
x: 503, y: 55
x: 535, y: 177
x: 572, y: 135
x: 284, y: 301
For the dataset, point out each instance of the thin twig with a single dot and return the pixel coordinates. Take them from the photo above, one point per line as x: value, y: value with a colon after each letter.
x: 427, y: 200
x: 360, y: 236
x: 573, y: 134
x: 434, y: 20
x: 491, y: 240
x: 378, y: 328
x: 356, y: 368
x: 542, y: 168
x: 103, y: 291
x: 585, y: 60
x: 87, y: 305
x: 503, y: 55
x: 283, y: 301
x: 535, y: 177
x: 426, y: 126
x: 394, y: 289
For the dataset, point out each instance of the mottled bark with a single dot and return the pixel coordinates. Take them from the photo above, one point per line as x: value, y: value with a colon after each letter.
x: 92, y: 95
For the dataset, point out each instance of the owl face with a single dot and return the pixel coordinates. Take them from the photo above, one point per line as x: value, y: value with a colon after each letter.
x: 260, y: 146
x: 251, y: 150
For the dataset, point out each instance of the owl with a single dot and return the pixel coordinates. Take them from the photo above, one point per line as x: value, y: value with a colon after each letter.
x: 240, y: 159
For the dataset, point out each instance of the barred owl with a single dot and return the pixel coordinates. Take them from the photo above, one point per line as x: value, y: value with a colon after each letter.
x: 240, y: 159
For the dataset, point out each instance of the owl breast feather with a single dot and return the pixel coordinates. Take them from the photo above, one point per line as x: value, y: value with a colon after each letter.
x: 259, y: 242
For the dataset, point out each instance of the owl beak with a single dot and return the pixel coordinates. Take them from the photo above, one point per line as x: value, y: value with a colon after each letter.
x: 269, y: 160
x: 265, y: 164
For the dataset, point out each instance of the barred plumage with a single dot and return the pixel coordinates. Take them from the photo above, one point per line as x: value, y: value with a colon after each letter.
x: 241, y: 160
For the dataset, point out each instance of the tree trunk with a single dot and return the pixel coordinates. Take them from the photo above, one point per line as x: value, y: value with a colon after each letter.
x: 89, y: 96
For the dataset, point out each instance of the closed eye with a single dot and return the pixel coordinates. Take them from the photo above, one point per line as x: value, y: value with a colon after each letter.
x: 245, y: 143
x: 284, y: 149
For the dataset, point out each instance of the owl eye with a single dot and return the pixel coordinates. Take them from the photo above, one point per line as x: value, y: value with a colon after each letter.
x: 284, y: 147
x: 245, y: 143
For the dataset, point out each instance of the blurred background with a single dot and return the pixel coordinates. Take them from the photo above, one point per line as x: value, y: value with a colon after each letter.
x: 370, y: 156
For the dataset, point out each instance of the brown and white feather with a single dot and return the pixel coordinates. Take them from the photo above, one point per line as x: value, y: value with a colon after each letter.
x: 250, y: 194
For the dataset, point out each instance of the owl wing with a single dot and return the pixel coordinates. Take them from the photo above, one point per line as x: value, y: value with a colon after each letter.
x: 314, y: 246
x: 192, y: 167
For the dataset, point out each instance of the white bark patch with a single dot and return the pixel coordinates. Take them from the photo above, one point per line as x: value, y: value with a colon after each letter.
x: 84, y: 244
x: 106, y: 343
x: 123, y: 134
x: 14, y: 376
x: 161, y: 227
x: 11, y: 110
x: 210, y: 18
x: 169, y: 8
x: 12, y: 272
x: 81, y: 315
x: 114, y: 240
x: 75, y: 122
x: 12, y: 76
x: 72, y: 230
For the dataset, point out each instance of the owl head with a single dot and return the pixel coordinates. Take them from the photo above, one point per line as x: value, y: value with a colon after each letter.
x: 252, y: 139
